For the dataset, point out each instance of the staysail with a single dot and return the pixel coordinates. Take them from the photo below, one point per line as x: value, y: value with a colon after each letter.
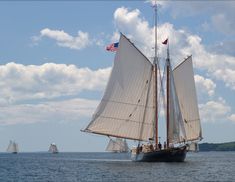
x: 186, y: 92
x: 126, y: 109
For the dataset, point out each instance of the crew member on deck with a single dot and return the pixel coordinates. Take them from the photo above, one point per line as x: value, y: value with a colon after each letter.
x: 160, y: 146
x: 164, y: 145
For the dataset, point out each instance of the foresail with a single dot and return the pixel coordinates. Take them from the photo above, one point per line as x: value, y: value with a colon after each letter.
x: 186, y: 92
x: 126, y: 109
x: 176, y: 127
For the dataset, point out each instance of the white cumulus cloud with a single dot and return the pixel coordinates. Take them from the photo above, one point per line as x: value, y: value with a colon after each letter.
x: 232, y: 117
x: 214, y: 111
x: 71, y: 110
x: 63, y: 39
x: 220, y: 14
x: 205, y: 85
x: 227, y: 75
x: 21, y: 82
x: 48, y: 92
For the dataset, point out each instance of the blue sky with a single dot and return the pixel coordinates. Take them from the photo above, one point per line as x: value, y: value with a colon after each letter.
x: 54, y: 66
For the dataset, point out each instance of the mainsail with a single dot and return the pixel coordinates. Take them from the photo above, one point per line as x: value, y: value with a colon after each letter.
x: 126, y: 109
x: 117, y: 145
x: 186, y: 92
x: 13, y: 147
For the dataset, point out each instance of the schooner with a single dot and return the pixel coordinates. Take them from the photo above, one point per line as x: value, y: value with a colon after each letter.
x: 129, y: 108
x: 53, y: 148
x: 13, y: 147
x: 118, y: 145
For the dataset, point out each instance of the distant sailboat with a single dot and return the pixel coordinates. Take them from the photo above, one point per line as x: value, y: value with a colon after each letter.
x: 53, y: 149
x: 118, y: 145
x: 13, y: 147
x: 193, y: 147
x: 130, y: 105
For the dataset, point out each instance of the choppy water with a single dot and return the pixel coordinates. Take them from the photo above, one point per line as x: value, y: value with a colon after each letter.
x: 108, y: 167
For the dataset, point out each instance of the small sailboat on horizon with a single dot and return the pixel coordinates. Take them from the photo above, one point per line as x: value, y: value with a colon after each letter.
x: 53, y: 149
x: 118, y: 146
x: 13, y: 147
x: 130, y: 106
x: 193, y: 147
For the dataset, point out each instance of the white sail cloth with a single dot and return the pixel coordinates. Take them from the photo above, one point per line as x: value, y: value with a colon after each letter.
x: 118, y: 145
x: 53, y: 148
x: 176, y: 127
x: 186, y: 92
x: 126, y: 109
x: 13, y: 147
x: 194, y: 147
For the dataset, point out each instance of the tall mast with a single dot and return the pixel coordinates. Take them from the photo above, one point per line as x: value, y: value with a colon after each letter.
x: 167, y: 95
x: 155, y: 77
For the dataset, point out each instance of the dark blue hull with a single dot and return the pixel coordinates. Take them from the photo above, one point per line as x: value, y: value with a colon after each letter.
x: 166, y: 155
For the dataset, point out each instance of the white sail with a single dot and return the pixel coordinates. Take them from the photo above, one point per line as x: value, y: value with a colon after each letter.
x: 194, y: 147
x: 186, y: 92
x: 53, y: 148
x: 118, y: 145
x: 13, y: 147
x: 126, y: 109
x: 125, y: 148
x: 111, y: 146
x: 176, y: 127
x: 9, y: 148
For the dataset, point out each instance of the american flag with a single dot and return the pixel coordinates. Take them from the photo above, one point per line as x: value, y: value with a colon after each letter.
x: 112, y: 47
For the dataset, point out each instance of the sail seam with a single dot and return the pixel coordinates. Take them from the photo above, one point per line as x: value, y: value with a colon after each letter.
x: 121, y: 119
x: 125, y: 103
x: 193, y: 120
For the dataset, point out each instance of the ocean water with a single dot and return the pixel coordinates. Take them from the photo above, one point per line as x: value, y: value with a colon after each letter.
x: 114, y: 167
